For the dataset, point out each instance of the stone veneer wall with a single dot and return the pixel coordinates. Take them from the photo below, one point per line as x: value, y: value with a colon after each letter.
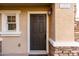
x: 63, y: 51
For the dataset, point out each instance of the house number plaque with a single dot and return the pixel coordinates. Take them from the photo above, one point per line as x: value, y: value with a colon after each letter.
x: 64, y: 5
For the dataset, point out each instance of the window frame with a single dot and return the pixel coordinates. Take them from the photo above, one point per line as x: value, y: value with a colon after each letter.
x: 5, y: 31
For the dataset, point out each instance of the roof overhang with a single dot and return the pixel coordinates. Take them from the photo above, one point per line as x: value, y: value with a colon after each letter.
x: 25, y: 4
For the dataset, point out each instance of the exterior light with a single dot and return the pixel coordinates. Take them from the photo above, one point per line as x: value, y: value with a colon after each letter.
x: 50, y: 11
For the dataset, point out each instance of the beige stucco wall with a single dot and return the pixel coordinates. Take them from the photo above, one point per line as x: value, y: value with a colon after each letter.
x: 60, y: 27
x: 64, y: 23
x: 52, y: 23
x: 10, y: 44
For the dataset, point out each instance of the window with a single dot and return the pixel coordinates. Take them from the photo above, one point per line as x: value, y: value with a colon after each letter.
x: 10, y: 23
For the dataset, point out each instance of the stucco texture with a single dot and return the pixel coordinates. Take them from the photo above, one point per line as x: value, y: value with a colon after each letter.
x: 64, y: 23
x: 60, y: 28
x: 10, y: 43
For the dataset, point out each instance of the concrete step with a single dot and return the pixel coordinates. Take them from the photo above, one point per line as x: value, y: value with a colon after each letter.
x: 38, y: 54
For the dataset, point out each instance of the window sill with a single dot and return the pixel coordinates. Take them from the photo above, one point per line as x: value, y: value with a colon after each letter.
x: 10, y: 33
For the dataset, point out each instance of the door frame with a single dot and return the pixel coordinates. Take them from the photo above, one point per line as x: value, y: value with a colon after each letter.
x: 28, y: 28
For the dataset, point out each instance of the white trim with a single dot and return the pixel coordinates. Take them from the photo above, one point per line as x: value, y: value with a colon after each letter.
x: 63, y: 43
x: 17, y: 23
x: 10, y: 33
x: 3, y: 23
x: 38, y: 52
x: 5, y: 32
x: 37, y: 12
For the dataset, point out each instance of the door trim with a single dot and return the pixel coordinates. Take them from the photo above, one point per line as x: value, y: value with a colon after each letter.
x: 28, y: 29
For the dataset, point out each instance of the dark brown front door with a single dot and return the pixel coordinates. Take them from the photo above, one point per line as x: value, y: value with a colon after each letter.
x: 37, y: 31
